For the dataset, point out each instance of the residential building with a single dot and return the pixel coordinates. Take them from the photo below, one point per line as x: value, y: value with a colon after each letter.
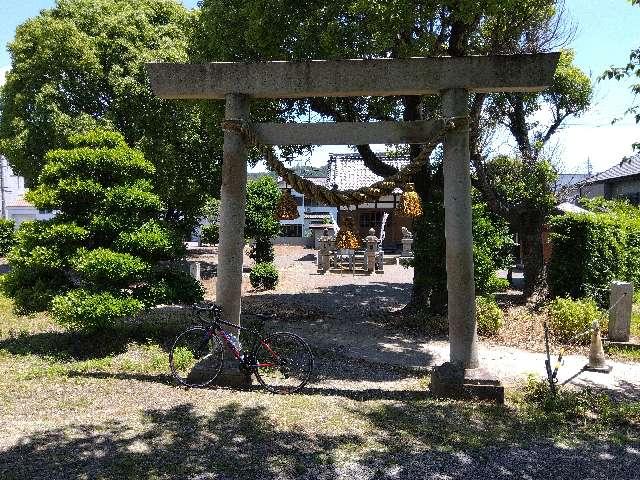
x: 622, y: 181
x: 12, y: 202
x: 312, y: 214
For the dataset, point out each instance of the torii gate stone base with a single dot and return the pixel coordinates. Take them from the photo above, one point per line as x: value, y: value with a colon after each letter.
x: 451, y: 77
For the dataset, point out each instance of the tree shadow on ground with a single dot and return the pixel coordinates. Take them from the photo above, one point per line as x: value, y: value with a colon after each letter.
x: 620, y: 391
x: 410, y: 440
x: 82, y: 345
x: 353, y: 320
x: 353, y: 297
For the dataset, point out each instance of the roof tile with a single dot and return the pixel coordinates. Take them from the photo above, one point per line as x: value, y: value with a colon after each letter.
x: 627, y: 167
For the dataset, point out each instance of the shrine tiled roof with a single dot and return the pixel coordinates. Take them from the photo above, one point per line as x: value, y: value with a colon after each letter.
x: 629, y: 166
x: 347, y: 171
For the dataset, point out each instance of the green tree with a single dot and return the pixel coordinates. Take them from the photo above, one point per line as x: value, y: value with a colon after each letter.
x: 522, y: 193
x: 239, y: 30
x: 261, y: 224
x: 630, y: 70
x: 97, y: 260
x: 520, y: 190
x: 80, y: 65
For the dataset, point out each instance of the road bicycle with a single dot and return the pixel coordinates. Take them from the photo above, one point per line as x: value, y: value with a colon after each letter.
x: 281, y: 361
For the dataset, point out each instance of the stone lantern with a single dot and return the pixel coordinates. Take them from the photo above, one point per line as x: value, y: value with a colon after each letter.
x: 371, y: 250
x: 324, y: 252
x: 407, y: 242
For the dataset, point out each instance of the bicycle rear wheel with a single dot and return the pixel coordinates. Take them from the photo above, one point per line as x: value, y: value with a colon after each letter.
x: 196, y: 357
x: 284, y: 362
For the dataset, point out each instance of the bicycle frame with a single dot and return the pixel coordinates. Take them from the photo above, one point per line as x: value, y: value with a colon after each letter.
x: 215, y: 328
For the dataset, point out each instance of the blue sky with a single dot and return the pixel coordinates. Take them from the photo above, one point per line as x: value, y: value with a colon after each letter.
x: 606, y: 31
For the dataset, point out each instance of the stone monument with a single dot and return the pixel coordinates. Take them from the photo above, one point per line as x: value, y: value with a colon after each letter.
x: 621, y: 303
x: 324, y: 252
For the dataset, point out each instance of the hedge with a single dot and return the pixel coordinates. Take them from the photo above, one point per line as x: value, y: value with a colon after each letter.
x: 591, y: 250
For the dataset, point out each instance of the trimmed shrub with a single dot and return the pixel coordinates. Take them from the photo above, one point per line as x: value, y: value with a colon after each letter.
x: 264, y: 275
x: 32, y: 290
x: 106, y: 268
x: 491, y: 248
x: 210, y: 233
x: 262, y: 250
x: 93, y: 311
x: 153, y: 240
x: 89, y: 261
x: 170, y: 286
x: 7, y: 235
x: 489, y: 316
x: 568, y: 317
x: 591, y: 250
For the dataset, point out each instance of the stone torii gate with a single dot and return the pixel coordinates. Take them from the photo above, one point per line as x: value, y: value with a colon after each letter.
x: 451, y: 77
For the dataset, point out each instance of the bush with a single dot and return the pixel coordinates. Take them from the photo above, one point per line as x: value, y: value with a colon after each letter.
x: 88, y: 261
x: 591, y: 250
x: 489, y: 317
x: 152, y: 241
x: 262, y: 250
x: 170, y: 286
x: 569, y: 317
x: 264, y: 275
x: 93, y: 311
x: 32, y: 290
x: 106, y: 268
x: 210, y: 234
x: 491, y: 249
x: 7, y: 234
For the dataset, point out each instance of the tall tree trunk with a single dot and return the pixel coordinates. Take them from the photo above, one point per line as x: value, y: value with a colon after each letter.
x: 429, y: 293
x: 531, y: 237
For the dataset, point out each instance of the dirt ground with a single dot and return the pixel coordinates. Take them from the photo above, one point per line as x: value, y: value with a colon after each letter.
x: 354, y: 315
x: 85, y: 406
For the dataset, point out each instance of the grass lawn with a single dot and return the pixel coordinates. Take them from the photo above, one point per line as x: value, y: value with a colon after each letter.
x: 102, y: 405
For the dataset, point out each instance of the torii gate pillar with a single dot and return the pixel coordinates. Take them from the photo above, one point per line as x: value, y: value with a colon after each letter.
x: 233, y: 199
x: 457, y: 231
x: 461, y: 376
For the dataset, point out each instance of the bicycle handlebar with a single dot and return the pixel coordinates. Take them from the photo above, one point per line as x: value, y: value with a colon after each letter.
x: 206, y: 307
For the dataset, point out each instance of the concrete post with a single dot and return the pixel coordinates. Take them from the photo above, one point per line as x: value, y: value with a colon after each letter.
x: 621, y: 303
x: 233, y: 197
x: 457, y: 227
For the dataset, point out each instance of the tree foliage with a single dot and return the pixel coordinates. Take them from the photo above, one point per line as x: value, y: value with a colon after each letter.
x: 261, y: 225
x: 491, y: 249
x: 7, y: 234
x: 262, y: 197
x: 80, y: 65
x: 97, y: 259
x: 240, y: 30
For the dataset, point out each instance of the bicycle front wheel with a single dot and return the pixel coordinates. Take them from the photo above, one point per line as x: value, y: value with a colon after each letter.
x: 284, y: 362
x: 196, y: 357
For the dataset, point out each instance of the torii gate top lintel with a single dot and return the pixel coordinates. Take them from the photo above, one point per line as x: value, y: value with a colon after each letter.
x: 345, y: 78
